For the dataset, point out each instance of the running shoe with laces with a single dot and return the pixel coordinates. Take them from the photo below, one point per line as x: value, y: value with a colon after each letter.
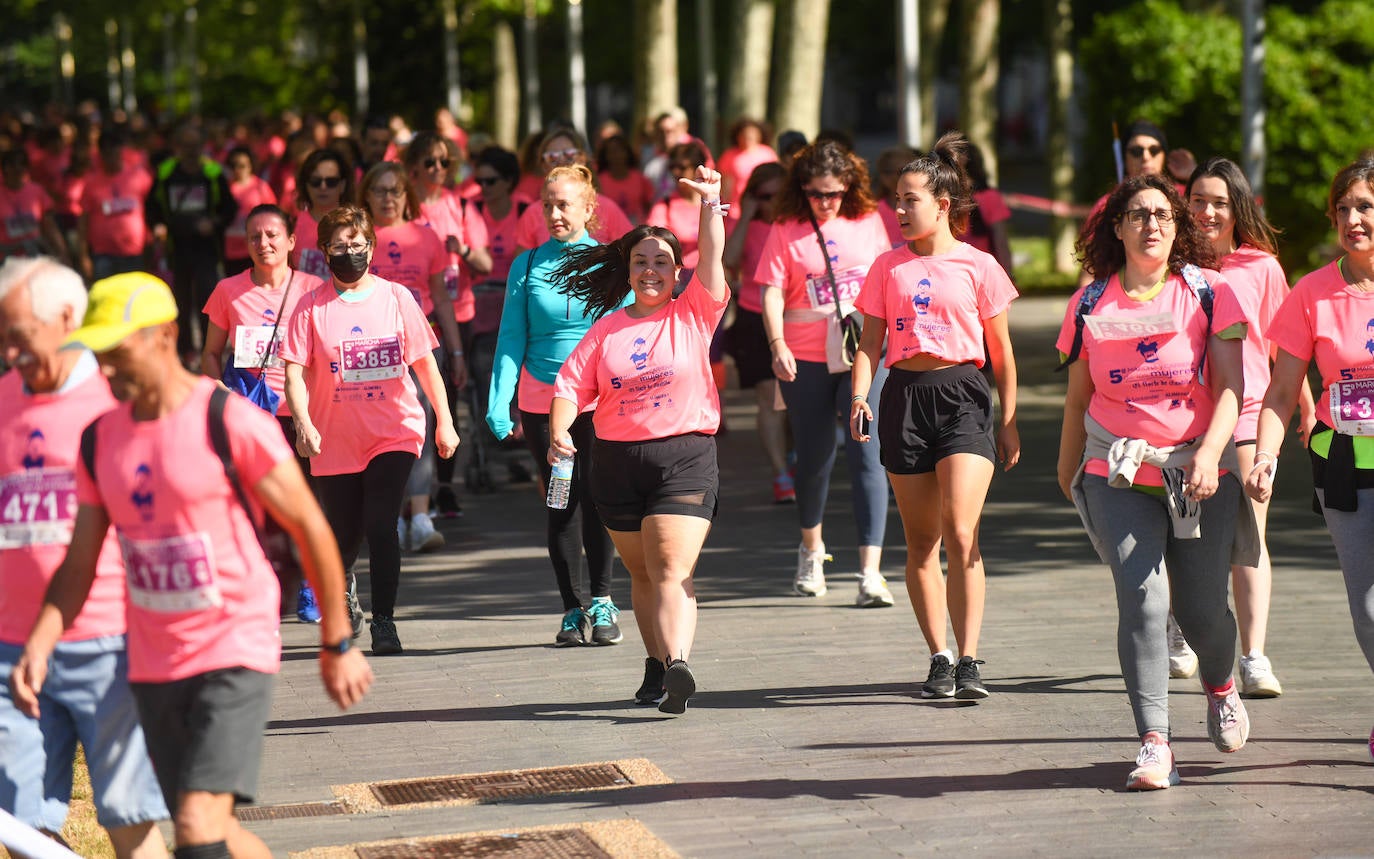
x: 423, y: 537
x: 784, y: 489
x: 652, y: 688
x: 385, y: 641
x: 574, y: 631
x: 1257, y: 678
x: 307, y: 610
x: 678, y: 686
x: 1182, y: 659
x: 355, y: 610
x: 940, y: 681
x: 968, y: 680
x: 603, y: 615
x: 873, y: 592
x: 810, y: 578
x: 1154, y: 765
x: 1227, y: 722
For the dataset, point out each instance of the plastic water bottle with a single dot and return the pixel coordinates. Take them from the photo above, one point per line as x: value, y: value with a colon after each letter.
x: 560, y: 483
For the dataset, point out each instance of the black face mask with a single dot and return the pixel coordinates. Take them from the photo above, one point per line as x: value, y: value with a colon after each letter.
x: 348, y: 268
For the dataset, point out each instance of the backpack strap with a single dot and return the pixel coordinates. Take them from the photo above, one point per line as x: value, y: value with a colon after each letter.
x: 1092, y: 293
x: 219, y: 440
x: 1192, y: 275
x: 88, y: 447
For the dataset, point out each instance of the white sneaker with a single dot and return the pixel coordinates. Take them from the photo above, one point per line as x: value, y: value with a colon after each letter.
x: 810, y: 580
x: 1257, y: 678
x: 1154, y: 765
x: 873, y: 592
x: 423, y: 537
x: 1182, y: 659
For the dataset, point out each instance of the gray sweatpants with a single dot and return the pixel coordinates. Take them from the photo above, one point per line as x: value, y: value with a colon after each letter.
x: 1353, y: 535
x: 1136, y: 528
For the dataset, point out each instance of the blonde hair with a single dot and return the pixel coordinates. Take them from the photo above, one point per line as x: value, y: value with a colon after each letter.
x: 578, y: 174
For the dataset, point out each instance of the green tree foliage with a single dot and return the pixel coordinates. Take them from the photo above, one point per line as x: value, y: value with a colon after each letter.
x: 1181, y: 69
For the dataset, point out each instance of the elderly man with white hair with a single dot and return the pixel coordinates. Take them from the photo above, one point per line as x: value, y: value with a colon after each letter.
x: 49, y: 397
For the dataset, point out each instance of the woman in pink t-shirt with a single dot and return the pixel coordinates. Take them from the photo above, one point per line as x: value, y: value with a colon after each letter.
x: 747, y: 152
x: 890, y: 164
x: 1226, y: 212
x: 354, y: 352
x: 679, y: 213
x: 564, y: 146
x: 618, y: 174
x: 1329, y: 318
x: 249, y: 192
x: 324, y: 182
x: 1147, y: 456
x: 647, y: 366
x: 824, y: 204
x: 931, y: 304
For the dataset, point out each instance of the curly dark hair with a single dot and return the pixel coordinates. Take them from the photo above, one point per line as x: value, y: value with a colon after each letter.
x: 825, y: 158
x: 599, y: 275
x: 1102, y: 254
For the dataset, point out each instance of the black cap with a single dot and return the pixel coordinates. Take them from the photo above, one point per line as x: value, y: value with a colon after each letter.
x: 1146, y: 128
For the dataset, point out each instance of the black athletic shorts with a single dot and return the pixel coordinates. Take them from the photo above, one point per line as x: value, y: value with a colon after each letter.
x: 926, y: 416
x: 633, y: 479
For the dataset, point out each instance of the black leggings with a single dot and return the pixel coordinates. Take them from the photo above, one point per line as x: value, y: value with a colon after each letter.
x: 365, y: 504
x: 567, y: 542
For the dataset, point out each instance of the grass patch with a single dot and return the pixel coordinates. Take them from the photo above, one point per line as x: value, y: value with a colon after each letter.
x: 1034, y: 273
x: 85, y: 836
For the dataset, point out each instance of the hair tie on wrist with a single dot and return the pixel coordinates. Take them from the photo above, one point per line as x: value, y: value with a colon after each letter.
x: 716, y: 206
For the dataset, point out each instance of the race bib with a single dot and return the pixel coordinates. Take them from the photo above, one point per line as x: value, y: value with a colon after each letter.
x: 172, y: 575
x: 118, y: 206
x: 37, y: 508
x: 250, y: 344
x: 371, y: 359
x: 1130, y: 327
x: 451, y: 282
x: 848, y: 282
x: 22, y: 226
x: 1352, y: 407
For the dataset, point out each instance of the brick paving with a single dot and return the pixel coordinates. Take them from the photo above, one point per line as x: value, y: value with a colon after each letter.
x: 808, y: 737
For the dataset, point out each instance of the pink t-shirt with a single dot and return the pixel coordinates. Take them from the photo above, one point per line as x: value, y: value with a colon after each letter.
x: 739, y: 165
x: 22, y: 211
x: 247, y: 312
x: 935, y: 305
x: 792, y: 261
x: 201, y: 594
x: 356, y: 355
x: 634, y: 194
x: 249, y: 194
x: 113, y: 206
x: 750, y: 295
x: 683, y: 217
x: 1327, y: 320
x: 651, y: 377
x: 1149, y: 387
x: 611, y: 224
x: 307, y: 257
x: 993, y: 207
x: 40, y: 440
x: 1260, y: 287
x: 501, y: 239
x: 889, y: 216
x: 410, y: 254
x: 448, y: 217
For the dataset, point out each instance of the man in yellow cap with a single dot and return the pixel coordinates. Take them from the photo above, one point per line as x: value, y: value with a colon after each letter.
x: 49, y: 396
x: 202, y: 598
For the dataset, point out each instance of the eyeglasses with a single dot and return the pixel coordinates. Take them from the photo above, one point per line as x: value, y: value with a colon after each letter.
x: 1140, y: 217
x: 1139, y: 151
x: 336, y: 250
x: 487, y: 181
x: 553, y: 156
x: 395, y: 192
x: 431, y: 163
x: 823, y: 195
x: 324, y: 181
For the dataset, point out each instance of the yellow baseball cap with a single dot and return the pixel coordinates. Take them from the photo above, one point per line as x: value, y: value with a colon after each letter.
x: 119, y: 306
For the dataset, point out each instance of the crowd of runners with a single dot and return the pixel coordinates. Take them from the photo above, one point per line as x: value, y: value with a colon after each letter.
x: 363, y: 295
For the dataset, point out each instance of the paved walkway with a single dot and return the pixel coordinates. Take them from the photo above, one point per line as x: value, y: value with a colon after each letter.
x: 809, y: 737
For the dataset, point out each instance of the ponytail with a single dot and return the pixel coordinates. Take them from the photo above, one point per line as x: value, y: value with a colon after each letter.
x: 599, y: 275
x: 946, y: 170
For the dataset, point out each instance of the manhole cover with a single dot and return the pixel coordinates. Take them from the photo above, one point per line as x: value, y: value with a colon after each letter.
x: 501, y: 785
x: 286, y: 812
x: 556, y: 844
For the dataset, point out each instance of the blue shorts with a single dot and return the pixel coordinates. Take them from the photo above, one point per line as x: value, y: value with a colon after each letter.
x: 86, y: 698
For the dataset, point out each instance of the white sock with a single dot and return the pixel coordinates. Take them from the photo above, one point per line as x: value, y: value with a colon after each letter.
x: 948, y: 654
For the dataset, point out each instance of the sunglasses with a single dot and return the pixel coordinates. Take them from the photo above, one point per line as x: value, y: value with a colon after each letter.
x: 431, y: 163
x: 487, y: 181
x: 823, y: 195
x: 324, y: 181
x: 553, y: 156
x: 1139, y: 151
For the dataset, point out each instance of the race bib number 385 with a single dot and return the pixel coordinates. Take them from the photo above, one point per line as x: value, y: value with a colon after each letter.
x: 171, y: 575
x: 37, y: 508
x: 371, y: 359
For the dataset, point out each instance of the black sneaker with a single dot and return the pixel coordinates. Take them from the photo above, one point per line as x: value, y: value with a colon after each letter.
x: 574, y: 631
x: 968, y: 683
x: 940, y: 682
x: 652, y: 688
x: 678, y: 686
x: 446, y: 503
x: 355, y: 611
x: 385, y: 641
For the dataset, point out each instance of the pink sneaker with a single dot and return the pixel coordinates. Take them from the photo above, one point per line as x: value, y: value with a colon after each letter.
x: 1154, y: 765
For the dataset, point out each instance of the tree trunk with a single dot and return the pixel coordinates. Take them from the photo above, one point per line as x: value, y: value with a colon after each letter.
x: 577, y: 69
x: 112, y: 82
x: 1059, y: 32
x: 656, y: 83
x: 802, y: 73
x: 505, y: 91
x: 534, y: 117
x: 452, y: 81
x: 751, y: 54
x: 978, y: 68
x: 362, y: 81
x: 909, y: 84
x: 934, y: 17
x: 706, y: 63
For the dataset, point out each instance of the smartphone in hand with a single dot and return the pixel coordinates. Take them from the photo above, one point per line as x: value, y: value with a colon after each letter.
x: 863, y: 423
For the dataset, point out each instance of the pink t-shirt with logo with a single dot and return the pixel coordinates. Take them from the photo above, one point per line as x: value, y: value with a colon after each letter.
x: 634, y: 194
x: 307, y: 257
x: 1260, y: 287
x: 683, y: 217
x: 448, y: 217
x: 739, y: 164
x: 1327, y: 320
x: 356, y: 357
x: 1143, y: 357
x: 611, y: 224
x: 935, y: 305
x: 249, y: 194
x: 501, y: 239
x: 410, y: 254
x: 22, y: 211
x: 792, y: 261
x: 40, y: 441
x: 113, y: 206
x: 651, y: 377
x: 750, y: 296
x: 238, y: 303
x: 200, y: 593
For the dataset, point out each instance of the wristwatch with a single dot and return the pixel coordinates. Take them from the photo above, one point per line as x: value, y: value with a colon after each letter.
x: 341, y: 648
